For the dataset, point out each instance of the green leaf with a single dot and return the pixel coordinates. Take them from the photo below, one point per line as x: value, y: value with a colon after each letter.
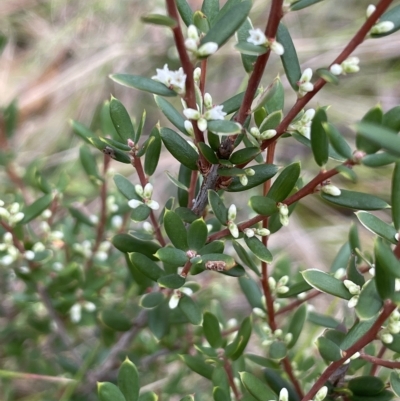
x: 121, y: 120
x: 146, y: 266
x: 10, y: 113
x: 327, y: 76
x: 172, y: 256
x: 211, y: 9
x: 158, y: 19
x: 295, y: 289
x: 277, y: 350
x: 379, y: 159
x: 139, y: 129
x: 381, y: 136
x: 227, y: 24
x: 176, y: 230
x: 151, y: 300
x: 186, y: 214
x: 109, y: 392
x: 296, y: 324
x: 374, y: 116
x: 289, y: 58
x: 337, y: 141
x: 211, y: 330
x: 153, y: 152
x: 245, y: 155
x: 322, y: 320
x: 197, y: 234
x: 115, y: 320
x: 198, y: 365
x: 191, y: 310
x: 366, y: 385
x: 384, y: 395
x: 275, y: 381
x: 245, y: 257
x: 396, y: 196
x: 218, y: 207
x: 80, y: 216
x: 224, y: 127
x: 259, y: 249
x: 249, y: 49
x: 176, y: 182
x: 236, y: 348
x: 179, y: 148
x: 128, y: 380
x: 325, y: 283
x: 241, y: 35
x: 387, y: 267
x: 36, y: 208
x: 328, y: 349
x: 220, y: 395
x: 298, y: 5
x: 185, y: 12
x: 208, y: 153
x: 285, y: 182
x: 159, y: 320
x: 271, y: 121
x: 369, y: 302
x: 142, y: 83
x: 115, y: 143
x: 258, y: 389
x: 356, y: 200
x: 200, y: 21
x: 187, y: 398
x: 356, y: 332
x: 81, y: 130
x: 392, y: 15
x: 377, y: 226
x: 263, y: 205
x: 127, y: 243
x: 174, y: 281
x: 319, y: 138
x: 233, y: 104
x: 395, y: 382
x: 173, y: 115
x: 391, y: 119
x: 140, y: 213
x: 252, y: 292
x: 263, y: 172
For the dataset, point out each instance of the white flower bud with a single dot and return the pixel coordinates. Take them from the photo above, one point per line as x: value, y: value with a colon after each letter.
x: 386, y: 338
x: 202, y: 124
x: 283, y: 209
x: 254, y: 131
x: 336, y: 69
x: 174, y: 300
x: 259, y: 312
x: 233, y: 230
x: 14, y: 208
x: 331, y: 190
x: 46, y: 214
x: 207, y: 49
x: 148, y: 227
x: 208, y: 100
x: 8, y: 238
x: 16, y: 218
x: 382, y: 27
x: 283, y: 395
x: 215, y: 113
x: 306, y: 76
x: 263, y: 232
x: 249, y: 172
x: 283, y: 280
x: 24, y: 269
x: 268, y: 134
x: 139, y: 190
x: 89, y: 306
x: 276, y: 47
x: 322, y: 392
x: 148, y: 191
x: 353, y: 301
x: 232, y: 212
x: 6, y: 260
x: 282, y: 289
x: 243, y: 179
x: 191, y: 114
x: 189, y: 127
x: 75, y: 313
x: 271, y: 283
x: 152, y: 204
x: 288, y: 337
x: 197, y: 74
x: 370, y: 10
x: 284, y: 220
x: 192, y: 32
x: 249, y: 232
x: 353, y: 288
x: 340, y: 273
x: 29, y: 255
x: 308, y: 115
x: 116, y: 221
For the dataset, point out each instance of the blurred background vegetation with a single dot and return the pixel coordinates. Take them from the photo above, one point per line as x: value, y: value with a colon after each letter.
x: 59, y: 54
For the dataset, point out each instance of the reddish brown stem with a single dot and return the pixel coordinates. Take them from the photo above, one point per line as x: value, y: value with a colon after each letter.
x: 289, y: 371
x: 228, y: 370
x: 380, y: 362
x: 203, y: 76
x: 186, y: 268
x: 388, y: 308
x: 374, y: 367
x: 294, y: 304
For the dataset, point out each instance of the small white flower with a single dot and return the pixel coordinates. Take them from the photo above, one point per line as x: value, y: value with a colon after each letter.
x: 134, y: 203
x: 370, y: 10
x: 232, y: 212
x: 259, y: 312
x: 257, y: 37
x: 46, y: 214
x: 57, y: 266
x: 117, y: 221
x: 215, y: 113
x: 249, y: 172
x: 385, y: 337
x: 249, y: 232
x: 8, y: 238
x: 305, y: 85
x: 283, y: 395
x: 271, y: 283
x: 148, y: 227
x: 152, y: 204
x: 6, y: 260
x: 208, y: 101
x: 350, y: 65
x: 353, y: 288
x: 288, y: 338
x: 101, y: 256
x: 174, y: 80
x: 353, y: 301
x: 331, y: 190
x: 139, y: 190
x: 276, y: 47
x: 382, y: 27
x: 336, y: 69
x: 207, y: 49
x: 75, y: 313
x: 192, y: 32
x: 282, y: 289
x: 29, y: 255
x: 174, y: 300
x: 24, y: 269
x: 148, y: 191
x: 89, y: 306
x: 254, y: 131
x: 283, y: 209
x: 233, y: 229
x: 202, y: 124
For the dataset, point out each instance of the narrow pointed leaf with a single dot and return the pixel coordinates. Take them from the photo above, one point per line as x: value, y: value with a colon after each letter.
x: 128, y: 380
x: 289, y: 58
x: 173, y: 115
x: 121, y: 120
x: 325, y: 283
x: 81, y: 130
x: 179, y: 148
x: 185, y: 12
x: 285, y: 182
x: 252, y: 292
x: 153, y: 152
x: 233, y: 104
x: 319, y: 138
x: 191, y: 310
x: 208, y: 153
x: 245, y: 257
x: 298, y: 5
x: 377, y: 226
x: 36, y: 208
x: 246, y: 48
x: 379, y: 159
x: 109, y: 392
x: 396, y: 196
x: 391, y: 119
x: 212, y: 330
x: 201, y: 22
x: 146, y: 266
x: 395, y: 382
x: 236, y: 348
x: 259, y: 249
x: 263, y: 172
x: 359, y: 329
x: 386, y: 259
x: 142, y: 83
x: 373, y: 116
x: 197, y: 234
x: 337, y: 141
x: 356, y: 200
x: 218, y: 207
x: 258, y: 389
x: 158, y: 19
x: 296, y: 324
x: 210, y: 8
x: 176, y: 230
x: 271, y: 121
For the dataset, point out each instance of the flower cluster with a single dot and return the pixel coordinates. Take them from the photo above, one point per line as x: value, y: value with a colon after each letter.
x: 393, y: 327
x: 75, y: 313
x: 251, y: 232
x: 248, y: 172
x: 11, y: 214
x: 276, y: 335
x: 305, y: 85
x: 211, y: 113
x: 348, y: 66
x: 280, y: 286
x: 283, y: 214
x: 192, y: 44
x: 258, y: 38
x: 354, y: 290
x: 174, y: 80
x: 177, y: 295
x: 145, y: 193
x: 262, y: 136
x: 303, y: 126
x: 233, y: 228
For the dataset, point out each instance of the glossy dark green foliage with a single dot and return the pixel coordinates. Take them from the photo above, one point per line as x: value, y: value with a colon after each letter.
x: 245, y: 257
x: 211, y: 9
x: 172, y: 256
x: 377, y: 226
x: 201, y: 22
x: 296, y: 288
x: 337, y: 141
x: 191, y: 310
x: 179, y: 148
x: 173, y: 281
x: 185, y: 12
x: 127, y: 243
x: 369, y: 302
x: 212, y: 330
x: 373, y: 116
x: 387, y: 267
x: 198, y: 365
x: 153, y: 152
x: 128, y: 380
x: 173, y: 115
x: 296, y: 324
x: 142, y: 83
x: 36, y: 208
x: 217, y: 205
x: 115, y: 320
x: 396, y: 196
x: 277, y: 350
x: 285, y: 182
x: 245, y: 155
x: 328, y: 349
x: 146, y: 266
x: 208, y: 153
x: 233, y: 104
x: 121, y: 120
x: 224, y: 127
x: 391, y: 119
x: 109, y: 392
x: 257, y: 388
x: 356, y: 200
x: 236, y: 348
x: 319, y: 138
x: 356, y: 332
x: 289, y: 58
x: 276, y: 383
x: 252, y: 291
x: 176, y: 230
x: 140, y: 213
x: 259, y: 249
x: 271, y: 121
x: 262, y: 173
x: 158, y: 19
x: 197, y: 234
x: 298, y: 5
x: 151, y: 300
x: 263, y: 205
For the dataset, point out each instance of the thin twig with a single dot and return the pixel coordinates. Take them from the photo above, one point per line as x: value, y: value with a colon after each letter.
x: 380, y: 362
x: 33, y: 376
x: 378, y: 357
x: 228, y: 370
